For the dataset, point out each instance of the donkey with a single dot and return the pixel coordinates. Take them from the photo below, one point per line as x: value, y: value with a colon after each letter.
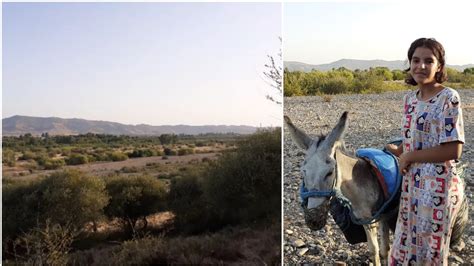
x: 328, y: 168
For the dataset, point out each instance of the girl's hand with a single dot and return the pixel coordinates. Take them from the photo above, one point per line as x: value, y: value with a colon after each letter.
x: 404, y: 163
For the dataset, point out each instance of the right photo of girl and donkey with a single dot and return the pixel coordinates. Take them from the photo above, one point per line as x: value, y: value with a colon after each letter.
x: 379, y: 177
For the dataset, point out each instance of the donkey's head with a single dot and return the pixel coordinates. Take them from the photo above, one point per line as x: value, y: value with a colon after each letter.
x: 319, y: 167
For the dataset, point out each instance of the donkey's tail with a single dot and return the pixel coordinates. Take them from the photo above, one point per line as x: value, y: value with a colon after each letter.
x: 460, y: 223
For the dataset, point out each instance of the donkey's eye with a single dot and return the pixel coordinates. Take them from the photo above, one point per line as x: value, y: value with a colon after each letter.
x: 328, y: 174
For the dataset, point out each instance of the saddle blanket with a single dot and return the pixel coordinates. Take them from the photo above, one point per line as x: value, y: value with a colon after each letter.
x: 387, y: 164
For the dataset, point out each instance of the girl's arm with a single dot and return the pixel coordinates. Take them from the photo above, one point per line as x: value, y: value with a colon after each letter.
x: 442, y: 153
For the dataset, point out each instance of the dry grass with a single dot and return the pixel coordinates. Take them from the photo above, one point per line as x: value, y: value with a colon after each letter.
x: 237, y: 245
x: 327, y: 98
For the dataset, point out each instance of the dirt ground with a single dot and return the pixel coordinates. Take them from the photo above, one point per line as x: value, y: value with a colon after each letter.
x: 103, y: 168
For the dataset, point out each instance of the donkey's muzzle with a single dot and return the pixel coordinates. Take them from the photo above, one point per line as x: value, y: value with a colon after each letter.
x: 316, y: 218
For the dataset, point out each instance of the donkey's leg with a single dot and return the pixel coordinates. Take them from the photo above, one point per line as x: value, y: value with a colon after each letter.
x: 384, y: 241
x: 371, y: 232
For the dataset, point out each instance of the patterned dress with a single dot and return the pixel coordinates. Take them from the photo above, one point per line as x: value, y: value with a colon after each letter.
x: 431, y: 192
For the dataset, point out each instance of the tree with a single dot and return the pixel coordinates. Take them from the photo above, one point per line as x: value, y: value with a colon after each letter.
x: 67, y: 198
x: 273, y: 76
x: 72, y: 198
x: 469, y: 71
x: 398, y: 74
x: 244, y: 186
x: 167, y: 138
x: 133, y: 198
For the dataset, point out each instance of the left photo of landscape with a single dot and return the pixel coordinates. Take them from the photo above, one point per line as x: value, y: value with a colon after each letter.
x: 141, y: 133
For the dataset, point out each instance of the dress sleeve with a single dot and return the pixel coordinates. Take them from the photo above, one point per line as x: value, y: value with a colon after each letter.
x: 452, y: 125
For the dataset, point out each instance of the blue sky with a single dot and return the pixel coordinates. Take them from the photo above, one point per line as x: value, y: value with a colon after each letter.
x: 319, y: 33
x: 152, y: 63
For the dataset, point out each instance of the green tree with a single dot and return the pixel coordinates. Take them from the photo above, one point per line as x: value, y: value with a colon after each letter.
x: 168, y: 139
x: 188, y: 202
x: 72, y: 198
x: 67, y: 198
x: 468, y: 71
x: 398, y: 74
x: 245, y: 186
x: 133, y: 198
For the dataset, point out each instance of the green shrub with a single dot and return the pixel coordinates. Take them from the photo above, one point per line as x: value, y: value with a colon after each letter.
x: 117, y: 156
x: 20, y: 207
x: 27, y: 155
x: 187, y: 201
x: 8, y: 157
x: 133, y: 198
x: 244, y: 186
x: 141, y: 153
x: 169, y: 152
x: 68, y: 198
x: 72, y: 198
x: 185, y: 151
x: 76, y: 159
x: 52, y: 164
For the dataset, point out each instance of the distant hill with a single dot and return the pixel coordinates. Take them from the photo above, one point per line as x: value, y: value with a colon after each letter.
x: 354, y: 64
x: 19, y: 125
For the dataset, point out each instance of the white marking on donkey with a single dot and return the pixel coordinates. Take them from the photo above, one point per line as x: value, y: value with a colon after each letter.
x: 328, y: 168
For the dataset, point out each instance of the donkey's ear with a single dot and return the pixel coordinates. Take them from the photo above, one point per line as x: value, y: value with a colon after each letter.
x: 302, y: 140
x: 337, y: 132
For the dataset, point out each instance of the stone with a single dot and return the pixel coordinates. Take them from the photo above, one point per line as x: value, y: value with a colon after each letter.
x: 456, y: 258
x: 303, y: 251
x: 298, y: 243
x: 289, y: 232
x: 459, y: 246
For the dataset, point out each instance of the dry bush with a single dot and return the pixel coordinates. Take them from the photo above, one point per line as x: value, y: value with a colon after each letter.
x: 235, y: 245
x: 48, y: 245
x: 327, y: 98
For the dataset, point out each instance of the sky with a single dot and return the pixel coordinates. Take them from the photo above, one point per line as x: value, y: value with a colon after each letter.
x: 141, y: 63
x: 320, y: 33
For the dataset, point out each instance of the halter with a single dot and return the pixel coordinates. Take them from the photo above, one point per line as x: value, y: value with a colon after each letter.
x: 305, y: 194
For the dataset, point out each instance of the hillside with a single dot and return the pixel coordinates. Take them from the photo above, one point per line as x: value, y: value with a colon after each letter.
x: 354, y: 64
x: 18, y: 125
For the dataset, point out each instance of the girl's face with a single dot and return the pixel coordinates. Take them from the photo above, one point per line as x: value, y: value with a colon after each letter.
x: 423, y: 66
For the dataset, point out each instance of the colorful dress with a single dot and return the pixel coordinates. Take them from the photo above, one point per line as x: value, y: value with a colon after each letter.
x: 431, y: 192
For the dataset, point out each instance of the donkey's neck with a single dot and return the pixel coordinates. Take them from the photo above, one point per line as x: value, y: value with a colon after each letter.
x: 358, y: 184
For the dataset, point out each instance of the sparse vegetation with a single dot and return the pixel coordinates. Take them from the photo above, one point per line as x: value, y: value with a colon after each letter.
x: 47, y: 217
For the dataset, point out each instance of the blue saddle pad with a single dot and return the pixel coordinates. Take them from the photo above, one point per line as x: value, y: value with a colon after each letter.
x: 387, y: 165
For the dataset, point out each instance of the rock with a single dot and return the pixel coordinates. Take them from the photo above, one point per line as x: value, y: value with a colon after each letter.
x: 289, y: 232
x: 298, y: 243
x: 470, y: 241
x: 456, y: 258
x: 303, y: 251
x: 459, y: 246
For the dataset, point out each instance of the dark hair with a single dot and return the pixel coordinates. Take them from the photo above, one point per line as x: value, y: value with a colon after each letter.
x: 438, y: 51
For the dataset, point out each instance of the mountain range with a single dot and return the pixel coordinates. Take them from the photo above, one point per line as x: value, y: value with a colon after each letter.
x: 19, y: 125
x: 354, y: 64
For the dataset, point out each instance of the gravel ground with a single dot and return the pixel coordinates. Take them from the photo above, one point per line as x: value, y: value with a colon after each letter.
x: 374, y: 120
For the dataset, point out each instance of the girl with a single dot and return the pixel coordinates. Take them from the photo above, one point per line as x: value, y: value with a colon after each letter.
x: 433, y: 136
